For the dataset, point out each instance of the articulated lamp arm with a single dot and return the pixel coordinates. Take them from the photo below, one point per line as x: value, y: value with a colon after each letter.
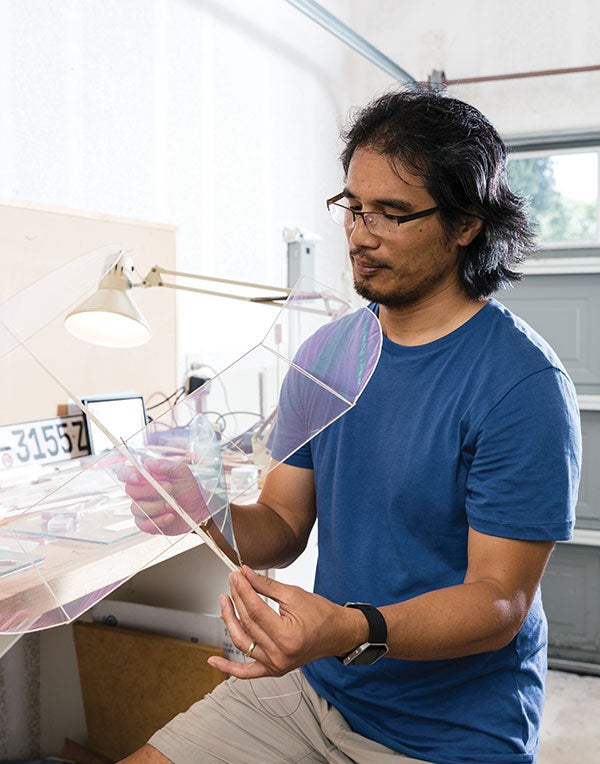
x: 110, y: 317
x: 332, y: 306
x: 155, y: 277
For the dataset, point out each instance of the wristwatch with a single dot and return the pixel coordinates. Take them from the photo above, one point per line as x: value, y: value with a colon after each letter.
x: 376, y: 647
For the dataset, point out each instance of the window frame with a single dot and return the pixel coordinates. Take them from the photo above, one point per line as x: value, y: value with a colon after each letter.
x: 561, y: 257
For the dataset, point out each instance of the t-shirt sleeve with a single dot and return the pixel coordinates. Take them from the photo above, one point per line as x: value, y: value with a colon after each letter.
x: 302, y: 457
x: 524, y: 476
x: 306, y: 407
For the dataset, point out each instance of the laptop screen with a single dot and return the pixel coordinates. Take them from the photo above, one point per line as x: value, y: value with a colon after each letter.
x: 123, y: 415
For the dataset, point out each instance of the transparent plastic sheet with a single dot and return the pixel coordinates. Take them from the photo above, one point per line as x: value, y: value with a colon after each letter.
x: 67, y: 540
x: 68, y: 535
x: 23, y: 316
x: 212, y: 448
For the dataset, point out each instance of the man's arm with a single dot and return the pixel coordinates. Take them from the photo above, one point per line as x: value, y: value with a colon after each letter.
x: 481, y: 614
x: 275, y: 530
x: 270, y: 533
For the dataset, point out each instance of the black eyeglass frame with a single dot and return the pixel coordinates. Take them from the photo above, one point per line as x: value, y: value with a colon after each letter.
x: 398, y: 218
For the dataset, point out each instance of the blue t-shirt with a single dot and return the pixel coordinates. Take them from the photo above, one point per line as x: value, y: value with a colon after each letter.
x: 477, y: 429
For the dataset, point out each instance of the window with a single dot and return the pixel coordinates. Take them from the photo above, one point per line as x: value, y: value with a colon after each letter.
x: 563, y: 189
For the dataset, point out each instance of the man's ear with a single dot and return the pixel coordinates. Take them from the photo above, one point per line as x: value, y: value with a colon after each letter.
x: 468, y: 229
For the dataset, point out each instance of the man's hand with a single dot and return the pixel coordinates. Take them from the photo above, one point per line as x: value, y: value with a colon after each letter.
x: 306, y: 628
x: 152, y: 513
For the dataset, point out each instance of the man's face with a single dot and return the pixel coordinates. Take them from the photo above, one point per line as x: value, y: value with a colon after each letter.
x: 420, y: 260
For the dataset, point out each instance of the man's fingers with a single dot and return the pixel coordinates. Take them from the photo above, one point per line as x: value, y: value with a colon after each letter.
x: 154, y: 508
x: 257, y: 620
x: 243, y: 637
x: 153, y: 525
x: 168, y: 469
x: 267, y: 587
x: 130, y: 475
x: 251, y: 607
x: 160, y: 469
x: 253, y: 670
x: 146, y: 492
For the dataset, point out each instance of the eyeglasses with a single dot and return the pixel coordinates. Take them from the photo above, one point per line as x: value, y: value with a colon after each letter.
x: 377, y: 223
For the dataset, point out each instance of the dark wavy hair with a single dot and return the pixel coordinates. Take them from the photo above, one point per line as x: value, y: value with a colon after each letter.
x: 462, y: 161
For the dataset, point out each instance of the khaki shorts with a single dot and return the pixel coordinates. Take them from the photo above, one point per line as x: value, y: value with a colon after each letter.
x: 267, y: 721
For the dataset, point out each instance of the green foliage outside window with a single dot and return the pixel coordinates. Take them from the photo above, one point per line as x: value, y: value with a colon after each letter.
x: 560, y: 216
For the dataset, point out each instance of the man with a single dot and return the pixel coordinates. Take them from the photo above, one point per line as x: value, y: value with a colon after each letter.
x: 439, y: 496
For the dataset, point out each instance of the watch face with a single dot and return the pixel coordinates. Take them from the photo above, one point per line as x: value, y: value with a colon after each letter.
x: 365, y: 654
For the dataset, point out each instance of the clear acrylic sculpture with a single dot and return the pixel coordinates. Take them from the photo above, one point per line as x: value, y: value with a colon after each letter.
x: 68, y: 537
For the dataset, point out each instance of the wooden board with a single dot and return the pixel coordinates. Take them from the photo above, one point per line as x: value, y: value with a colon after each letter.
x: 133, y: 682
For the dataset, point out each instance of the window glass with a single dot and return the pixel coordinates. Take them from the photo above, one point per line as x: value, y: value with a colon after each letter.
x: 563, y: 190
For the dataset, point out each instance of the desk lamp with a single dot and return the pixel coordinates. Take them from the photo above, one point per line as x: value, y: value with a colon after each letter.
x: 111, y: 318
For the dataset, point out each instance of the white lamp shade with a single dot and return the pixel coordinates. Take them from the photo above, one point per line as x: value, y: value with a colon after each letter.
x: 109, y: 318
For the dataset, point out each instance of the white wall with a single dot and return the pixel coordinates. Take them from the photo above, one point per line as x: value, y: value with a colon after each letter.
x: 218, y: 116
x: 469, y: 38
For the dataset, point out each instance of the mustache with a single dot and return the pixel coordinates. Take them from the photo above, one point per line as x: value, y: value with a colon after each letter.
x: 365, y: 258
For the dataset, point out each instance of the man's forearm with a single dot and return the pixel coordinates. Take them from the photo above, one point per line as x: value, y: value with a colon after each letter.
x: 483, y: 613
x: 453, y: 622
x: 263, y: 538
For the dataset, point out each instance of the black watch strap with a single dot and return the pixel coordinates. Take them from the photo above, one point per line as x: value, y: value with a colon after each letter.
x: 377, y: 624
